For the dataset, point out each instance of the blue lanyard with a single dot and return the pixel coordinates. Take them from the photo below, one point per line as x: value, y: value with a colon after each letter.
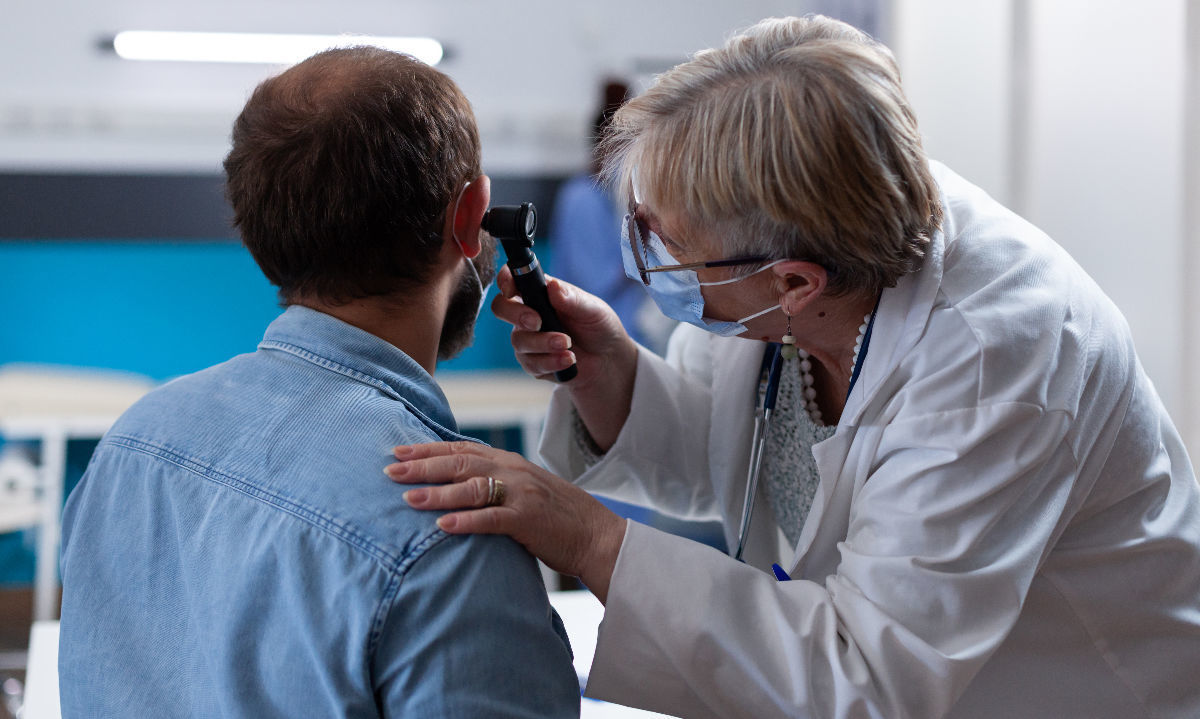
x: 772, y: 366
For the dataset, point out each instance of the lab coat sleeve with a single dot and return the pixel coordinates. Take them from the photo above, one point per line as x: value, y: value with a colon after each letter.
x: 945, y: 536
x: 660, y: 457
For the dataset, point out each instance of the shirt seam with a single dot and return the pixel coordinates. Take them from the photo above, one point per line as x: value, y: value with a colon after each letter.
x: 980, y: 345
x: 334, y: 366
x: 1042, y: 410
x: 392, y: 562
x: 1097, y: 643
x: 392, y: 591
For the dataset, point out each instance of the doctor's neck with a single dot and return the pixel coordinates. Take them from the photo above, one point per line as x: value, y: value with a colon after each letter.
x: 828, y: 329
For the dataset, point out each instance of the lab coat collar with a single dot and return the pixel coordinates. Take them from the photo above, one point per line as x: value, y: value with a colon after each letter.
x: 899, y: 321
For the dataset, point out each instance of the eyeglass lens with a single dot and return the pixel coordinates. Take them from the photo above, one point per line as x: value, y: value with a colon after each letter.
x: 637, y: 232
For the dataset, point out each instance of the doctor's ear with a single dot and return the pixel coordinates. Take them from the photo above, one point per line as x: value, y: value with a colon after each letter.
x: 799, y: 283
x: 468, y: 215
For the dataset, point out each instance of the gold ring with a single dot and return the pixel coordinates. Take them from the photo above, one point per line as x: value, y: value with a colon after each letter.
x: 496, y: 492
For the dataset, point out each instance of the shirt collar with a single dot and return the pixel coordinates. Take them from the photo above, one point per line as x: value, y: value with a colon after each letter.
x: 340, y: 347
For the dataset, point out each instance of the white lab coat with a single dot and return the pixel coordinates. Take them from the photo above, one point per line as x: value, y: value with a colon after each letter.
x: 1007, y: 524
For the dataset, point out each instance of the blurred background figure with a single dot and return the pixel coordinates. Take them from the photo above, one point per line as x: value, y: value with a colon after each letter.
x: 586, y: 234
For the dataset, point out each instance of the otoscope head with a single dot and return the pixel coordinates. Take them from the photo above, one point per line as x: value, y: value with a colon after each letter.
x: 512, y: 222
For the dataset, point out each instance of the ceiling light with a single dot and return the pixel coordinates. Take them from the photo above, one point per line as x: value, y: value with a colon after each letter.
x: 274, y: 49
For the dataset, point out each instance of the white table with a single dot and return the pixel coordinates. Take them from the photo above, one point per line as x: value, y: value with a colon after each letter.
x: 41, y: 674
x: 499, y: 399
x: 582, y: 613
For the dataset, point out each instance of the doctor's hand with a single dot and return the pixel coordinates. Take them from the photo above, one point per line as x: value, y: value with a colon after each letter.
x: 595, y: 338
x: 596, y: 341
x: 556, y: 521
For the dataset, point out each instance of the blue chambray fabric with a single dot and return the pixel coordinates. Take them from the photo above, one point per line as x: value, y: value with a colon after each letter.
x: 235, y: 550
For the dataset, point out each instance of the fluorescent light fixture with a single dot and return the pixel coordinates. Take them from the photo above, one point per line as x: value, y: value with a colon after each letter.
x: 274, y: 49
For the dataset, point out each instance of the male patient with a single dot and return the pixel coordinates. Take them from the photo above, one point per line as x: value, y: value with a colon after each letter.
x: 235, y: 549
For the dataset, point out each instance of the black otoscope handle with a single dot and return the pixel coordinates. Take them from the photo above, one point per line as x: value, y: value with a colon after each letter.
x: 514, y: 227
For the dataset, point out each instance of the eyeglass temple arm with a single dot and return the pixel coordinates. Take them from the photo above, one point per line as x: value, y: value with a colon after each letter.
x: 711, y: 263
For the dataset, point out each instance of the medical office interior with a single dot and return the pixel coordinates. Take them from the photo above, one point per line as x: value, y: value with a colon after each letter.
x: 119, y: 268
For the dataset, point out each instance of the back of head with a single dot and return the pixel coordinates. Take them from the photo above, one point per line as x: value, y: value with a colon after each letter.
x: 794, y: 140
x: 341, y: 169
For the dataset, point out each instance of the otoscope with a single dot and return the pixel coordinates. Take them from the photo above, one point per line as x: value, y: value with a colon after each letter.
x: 514, y: 227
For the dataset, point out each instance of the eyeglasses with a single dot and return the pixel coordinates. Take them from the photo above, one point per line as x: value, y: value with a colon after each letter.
x: 639, y: 237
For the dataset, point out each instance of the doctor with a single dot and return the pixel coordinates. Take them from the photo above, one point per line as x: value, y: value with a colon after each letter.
x: 982, y: 506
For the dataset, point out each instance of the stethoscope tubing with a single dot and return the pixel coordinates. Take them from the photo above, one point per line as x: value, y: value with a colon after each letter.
x: 773, y: 359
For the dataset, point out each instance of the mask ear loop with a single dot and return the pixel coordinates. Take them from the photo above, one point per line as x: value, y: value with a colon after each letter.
x: 454, y: 217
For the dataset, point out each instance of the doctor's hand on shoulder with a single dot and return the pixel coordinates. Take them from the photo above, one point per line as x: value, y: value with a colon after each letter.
x: 597, y: 342
x: 502, y: 493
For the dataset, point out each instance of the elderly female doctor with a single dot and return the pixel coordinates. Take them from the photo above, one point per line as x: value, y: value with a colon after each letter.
x: 982, y: 505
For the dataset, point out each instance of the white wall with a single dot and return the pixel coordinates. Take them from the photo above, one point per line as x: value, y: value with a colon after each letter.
x: 1191, y: 239
x: 531, y: 68
x: 1106, y: 160
x: 1073, y: 113
x: 956, y: 61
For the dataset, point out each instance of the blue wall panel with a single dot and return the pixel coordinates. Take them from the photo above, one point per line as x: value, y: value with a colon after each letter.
x: 157, y: 308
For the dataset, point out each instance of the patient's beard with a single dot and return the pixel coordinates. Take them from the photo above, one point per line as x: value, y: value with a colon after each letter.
x: 458, y: 331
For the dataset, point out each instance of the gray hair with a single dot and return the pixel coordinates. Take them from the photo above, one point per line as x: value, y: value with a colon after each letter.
x: 794, y: 140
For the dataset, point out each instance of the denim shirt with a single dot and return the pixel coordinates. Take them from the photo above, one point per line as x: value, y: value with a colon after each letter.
x: 235, y: 550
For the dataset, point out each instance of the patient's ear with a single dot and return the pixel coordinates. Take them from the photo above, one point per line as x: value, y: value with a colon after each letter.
x: 469, y: 217
x: 799, y: 283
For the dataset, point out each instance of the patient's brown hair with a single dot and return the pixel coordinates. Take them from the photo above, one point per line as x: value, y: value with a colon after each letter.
x: 341, y: 170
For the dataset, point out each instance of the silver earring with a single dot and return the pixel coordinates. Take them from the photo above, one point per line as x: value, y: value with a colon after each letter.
x: 789, y: 350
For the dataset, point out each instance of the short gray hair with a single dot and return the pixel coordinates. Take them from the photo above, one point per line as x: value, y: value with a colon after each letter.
x: 794, y: 140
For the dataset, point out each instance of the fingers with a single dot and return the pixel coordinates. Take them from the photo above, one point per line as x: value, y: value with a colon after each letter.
x: 544, y: 366
x: 504, y: 281
x: 490, y: 520
x: 508, y: 306
x: 542, y: 353
x: 472, y: 492
x: 441, y: 462
x: 439, y: 449
x: 571, y: 303
x: 514, y: 312
x: 574, y: 306
x: 540, y: 342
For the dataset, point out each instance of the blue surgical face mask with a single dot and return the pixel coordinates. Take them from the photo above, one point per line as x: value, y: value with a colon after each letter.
x: 678, y: 293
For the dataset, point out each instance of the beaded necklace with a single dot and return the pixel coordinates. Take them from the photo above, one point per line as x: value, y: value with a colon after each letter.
x: 806, y: 378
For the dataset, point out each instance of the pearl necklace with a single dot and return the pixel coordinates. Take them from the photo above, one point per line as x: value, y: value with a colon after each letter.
x: 806, y: 378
